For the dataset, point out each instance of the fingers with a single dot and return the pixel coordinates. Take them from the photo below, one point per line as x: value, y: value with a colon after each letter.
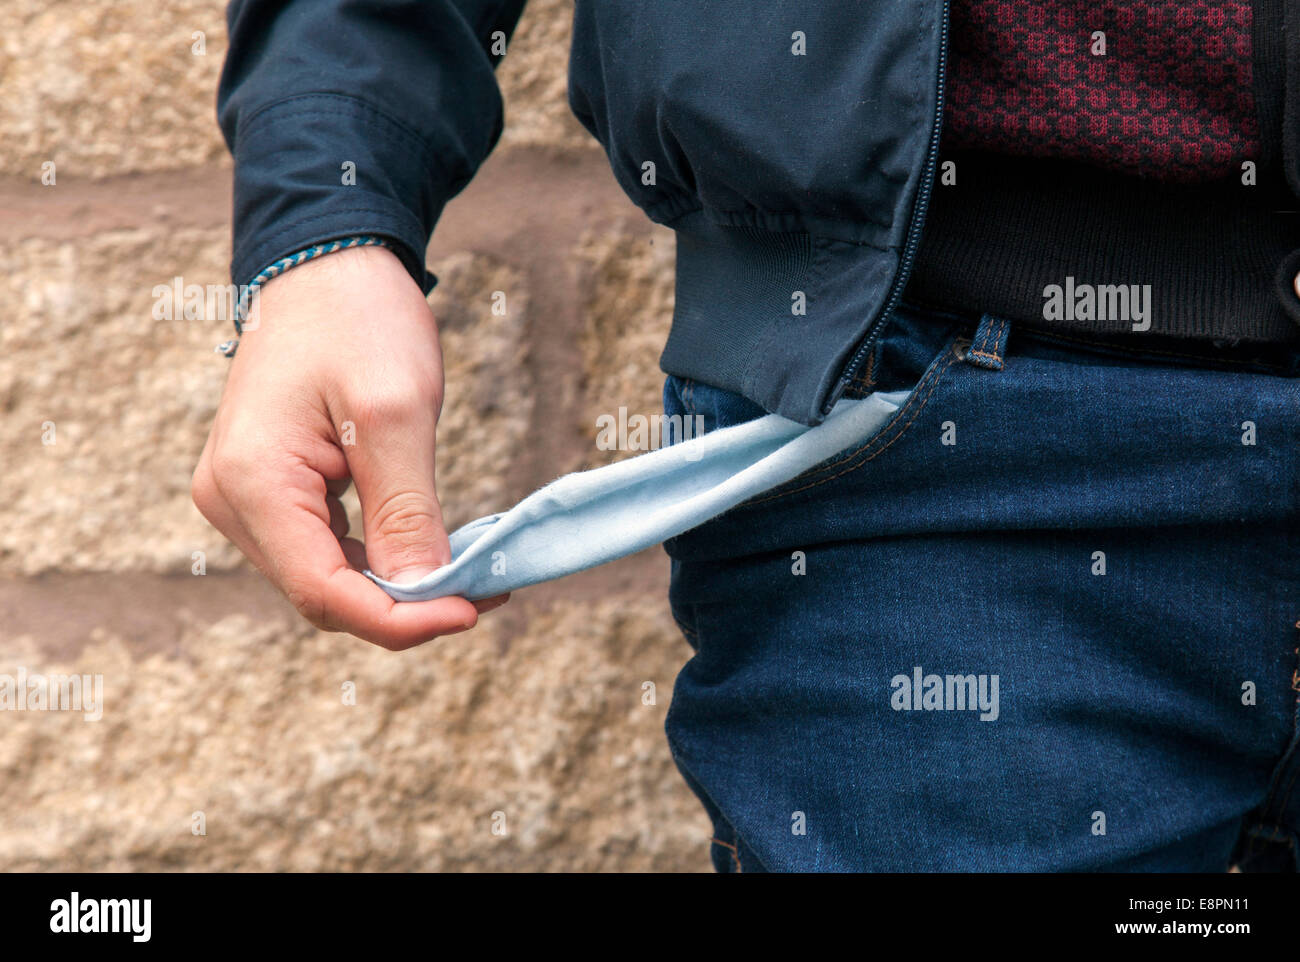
x: 331, y: 593
x: 392, y: 465
x: 207, y: 497
x: 312, y: 567
x: 342, y: 384
x: 283, y: 522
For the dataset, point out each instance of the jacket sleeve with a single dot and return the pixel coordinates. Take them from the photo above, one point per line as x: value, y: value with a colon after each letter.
x: 398, y: 96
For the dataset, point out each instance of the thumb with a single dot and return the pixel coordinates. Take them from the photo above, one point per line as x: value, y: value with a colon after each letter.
x: 392, y: 466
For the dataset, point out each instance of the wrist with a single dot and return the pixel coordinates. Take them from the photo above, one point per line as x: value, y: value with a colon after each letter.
x: 367, y: 250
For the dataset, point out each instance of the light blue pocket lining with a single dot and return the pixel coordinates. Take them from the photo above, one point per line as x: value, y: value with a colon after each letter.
x: 586, y: 519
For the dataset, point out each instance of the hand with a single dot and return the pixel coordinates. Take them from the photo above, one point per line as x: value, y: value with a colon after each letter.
x: 345, y: 346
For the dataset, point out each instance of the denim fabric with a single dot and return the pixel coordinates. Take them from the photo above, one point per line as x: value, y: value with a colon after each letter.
x: 591, y: 517
x: 1107, y: 541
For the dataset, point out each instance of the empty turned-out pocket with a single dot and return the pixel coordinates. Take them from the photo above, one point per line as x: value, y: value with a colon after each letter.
x: 908, y: 365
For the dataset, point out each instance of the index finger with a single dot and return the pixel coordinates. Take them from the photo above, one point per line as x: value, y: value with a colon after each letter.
x: 308, y: 565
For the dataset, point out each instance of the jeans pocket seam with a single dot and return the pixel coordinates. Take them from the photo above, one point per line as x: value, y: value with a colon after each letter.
x: 733, y: 849
x: 915, y: 404
x: 685, y: 394
x: 863, y: 383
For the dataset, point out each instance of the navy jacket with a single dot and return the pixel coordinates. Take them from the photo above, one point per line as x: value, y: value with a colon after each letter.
x: 796, y: 183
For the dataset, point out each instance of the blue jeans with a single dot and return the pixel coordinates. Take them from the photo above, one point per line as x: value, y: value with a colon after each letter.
x: 1045, y: 619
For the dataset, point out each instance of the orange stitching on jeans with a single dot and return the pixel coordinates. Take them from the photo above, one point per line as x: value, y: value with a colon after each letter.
x: 997, y: 339
x: 735, y: 853
x: 938, y: 374
x: 862, y: 450
x: 932, y: 375
x: 865, y: 380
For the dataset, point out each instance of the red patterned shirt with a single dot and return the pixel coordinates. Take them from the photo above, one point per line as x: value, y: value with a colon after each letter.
x: 1171, y: 97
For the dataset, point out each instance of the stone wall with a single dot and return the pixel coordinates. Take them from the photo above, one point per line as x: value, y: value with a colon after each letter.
x: 220, y: 708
